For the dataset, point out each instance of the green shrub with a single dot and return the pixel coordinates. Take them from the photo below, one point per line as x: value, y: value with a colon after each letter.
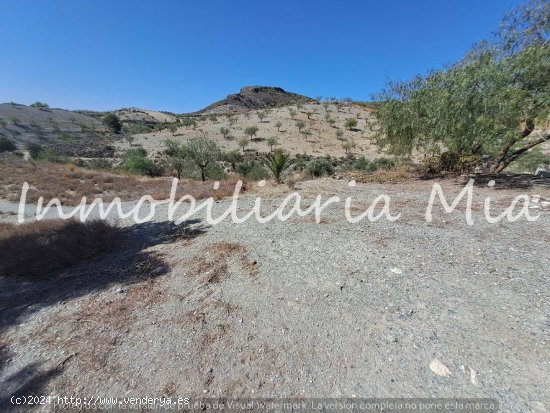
x: 135, y: 161
x: 64, y: 136
x: 252, y: 170
x: 34, y: 149
x: 113, y: 122
x: 215, y: 172
x: 6, y: 145
x: 384, y: 163
x: 319, y: 167
x: 361, y: 164
x: 50, y: 155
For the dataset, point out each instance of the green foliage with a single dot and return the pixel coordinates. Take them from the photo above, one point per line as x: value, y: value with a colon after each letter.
x: 383, y: 163
x: 224, y: 131
x: 252, y: 170
x: 272, y: 141
x: 349, y: 146
x: 202, y: 152
x: 215, y: 172
x: 319, y: 167
x: 278, y: 162
x: 49, y: 155
x: 112, y: 122
x: 189, y: 122
x: 251, y: 131
x: 350, y: 123
x: 135, y: 161
x: 489, y: 102
x: 531, y: 161
x: 244, y: 142
x: 278, y: 125
x: 292, y: 112
x: 6, y: 145
x: 64, y: 136
x: 233, y: 158
x: 300, y: 124
x: 40, y: 105
x: 14, y: 119
x: 134, y: 128
x: 34, y: 149
x: 361, y: 163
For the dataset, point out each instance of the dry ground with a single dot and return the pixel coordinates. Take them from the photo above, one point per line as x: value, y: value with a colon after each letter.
x: 298, y: 308
x: 323, y: 140
x: 69, y: 183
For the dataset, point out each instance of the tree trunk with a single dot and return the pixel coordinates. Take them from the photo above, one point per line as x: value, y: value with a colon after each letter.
x: 203, y: 173
x: 503, y: 158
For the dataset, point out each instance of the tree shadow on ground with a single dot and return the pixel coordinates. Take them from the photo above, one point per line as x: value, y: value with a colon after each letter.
x: 132, y: 263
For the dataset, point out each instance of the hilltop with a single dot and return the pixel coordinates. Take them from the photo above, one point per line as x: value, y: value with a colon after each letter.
x: 253, y: 98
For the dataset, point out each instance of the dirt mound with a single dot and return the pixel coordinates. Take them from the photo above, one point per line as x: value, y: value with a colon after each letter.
x: 254, y: 97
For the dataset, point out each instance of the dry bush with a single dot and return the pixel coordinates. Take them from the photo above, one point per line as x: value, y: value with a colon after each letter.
x: 43, y: 248
x: 396, y: 175
x: 70, y: 183
x: 212, y: 263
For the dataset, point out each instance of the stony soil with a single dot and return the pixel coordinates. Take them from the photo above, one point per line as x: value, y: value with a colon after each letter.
x: 323, y: 140
x: 298, y: 308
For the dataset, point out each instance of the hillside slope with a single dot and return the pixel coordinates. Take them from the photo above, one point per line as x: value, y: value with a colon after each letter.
x: 69, y: 133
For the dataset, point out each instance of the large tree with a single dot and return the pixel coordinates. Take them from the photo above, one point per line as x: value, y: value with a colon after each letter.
x: 490, y: 102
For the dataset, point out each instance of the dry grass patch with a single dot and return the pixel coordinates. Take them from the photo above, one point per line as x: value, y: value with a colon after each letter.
x: 42, y: 248
x: 399, y: 174
x: 213, y: 262
x: 70, y: 183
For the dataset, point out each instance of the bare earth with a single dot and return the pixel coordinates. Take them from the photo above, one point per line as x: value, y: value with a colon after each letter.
x: 298, y: 308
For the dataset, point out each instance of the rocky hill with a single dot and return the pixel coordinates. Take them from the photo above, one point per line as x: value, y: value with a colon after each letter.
x: 253, y: 98
x: 69, y: 133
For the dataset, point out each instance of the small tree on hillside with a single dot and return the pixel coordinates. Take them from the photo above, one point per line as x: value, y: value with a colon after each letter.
x: 309, y: 113
x: 292, y: 112
x: 251, y: 131
x: 300, y: 124
x: 272, y: 141
x: 224, y: 131
x: 244, y: 142
x: 339, y: 134
x: 112, y: 122
x: 40, y: 105
x: 351, y: 123
x: 262, y: 115
x: 306, y: 133
x: 278, y: 125
x: 203, y: 152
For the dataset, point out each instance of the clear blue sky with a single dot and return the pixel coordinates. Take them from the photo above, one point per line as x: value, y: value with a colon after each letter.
x: 181, y: 55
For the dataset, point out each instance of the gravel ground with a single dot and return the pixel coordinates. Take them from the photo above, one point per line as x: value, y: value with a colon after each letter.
x: 297, y: 308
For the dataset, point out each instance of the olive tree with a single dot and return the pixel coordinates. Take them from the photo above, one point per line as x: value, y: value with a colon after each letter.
x: 251, y: 131
x: 243, y: 142
x: 490, y: 102
x: 278, y: 125
x: 224, y: 131
x: 203, y: 152
x: 272, y: 141
x: 300, y: 124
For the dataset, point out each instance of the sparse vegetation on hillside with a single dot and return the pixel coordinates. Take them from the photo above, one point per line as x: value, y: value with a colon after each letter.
x: 113, y: 122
